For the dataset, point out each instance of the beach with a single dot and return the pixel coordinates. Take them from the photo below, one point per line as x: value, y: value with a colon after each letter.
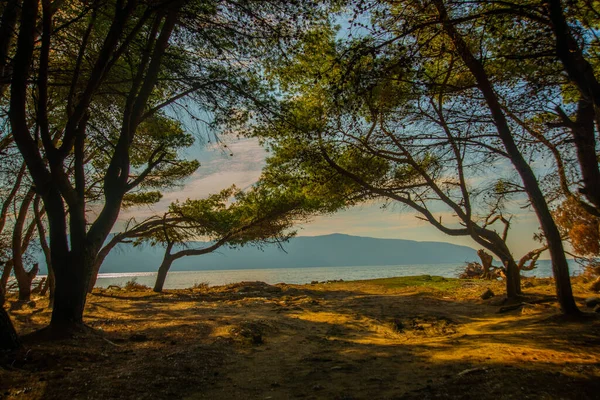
x: 396, y: 338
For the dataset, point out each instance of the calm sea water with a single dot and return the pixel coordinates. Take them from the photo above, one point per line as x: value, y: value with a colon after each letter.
x: 180, y: 280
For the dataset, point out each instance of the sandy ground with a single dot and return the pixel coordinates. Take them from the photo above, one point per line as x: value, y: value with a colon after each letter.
x: 382, y: 339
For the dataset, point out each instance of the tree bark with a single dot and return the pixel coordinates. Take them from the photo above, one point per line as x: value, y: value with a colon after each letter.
x: 9, y: 199
x: 71, y: 292
x: 9, y: 340
x: 164, y: 268
x: 24, y: 278
x: 5, y: 275
x: 102, y: 254
x: 513, y: 275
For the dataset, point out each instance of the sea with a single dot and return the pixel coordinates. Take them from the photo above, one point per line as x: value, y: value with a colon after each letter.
x: 186, y: 279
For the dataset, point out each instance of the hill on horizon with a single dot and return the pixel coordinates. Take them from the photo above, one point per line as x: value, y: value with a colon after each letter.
x: 302, y: 251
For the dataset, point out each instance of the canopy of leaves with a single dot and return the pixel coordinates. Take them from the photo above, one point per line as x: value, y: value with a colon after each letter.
x: 260, y: 215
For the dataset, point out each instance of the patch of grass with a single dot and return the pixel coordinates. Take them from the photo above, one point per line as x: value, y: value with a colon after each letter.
x: 437, y: 282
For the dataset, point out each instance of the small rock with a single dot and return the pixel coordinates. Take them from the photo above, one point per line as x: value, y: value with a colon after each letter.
x: 592, y: 302
x: 597, y: 309
x: 488, y: 294
x: 314, y: 282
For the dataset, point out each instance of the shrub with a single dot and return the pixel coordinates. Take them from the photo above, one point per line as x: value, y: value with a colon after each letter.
x: 133, y: 285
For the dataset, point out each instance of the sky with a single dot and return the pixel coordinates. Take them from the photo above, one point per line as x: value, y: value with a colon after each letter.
x: 220, y: 170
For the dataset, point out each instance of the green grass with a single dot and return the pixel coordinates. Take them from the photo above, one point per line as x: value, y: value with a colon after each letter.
x: 437, y: 282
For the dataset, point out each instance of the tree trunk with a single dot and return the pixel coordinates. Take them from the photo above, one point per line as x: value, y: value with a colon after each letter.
x: 50, y: 282
x: 5, y: 275
x: 6, y: 205
x: 164, y: 269
x: 49, y: 287
x: 102, y: 254
x: 582, y: 74
x: 486, y: 263
x: 71, y: 291
x: 24, y: 278
x: 513, y: 276
x: 9, y: 340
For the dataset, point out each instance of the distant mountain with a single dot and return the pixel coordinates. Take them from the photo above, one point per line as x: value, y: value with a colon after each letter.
x: 303, y: 251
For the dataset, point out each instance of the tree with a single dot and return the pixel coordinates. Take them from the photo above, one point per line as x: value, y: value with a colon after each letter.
x: 258, y: 216
x: 263, y: 214
x: 504, y: 131
x: 98, y: 72
x: 443, y: 64
x: 353, y: 127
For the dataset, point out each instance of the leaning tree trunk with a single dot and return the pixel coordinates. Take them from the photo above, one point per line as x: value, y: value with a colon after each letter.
x: 560, y: 267
x: 164, y: 269
x: 102, y: 254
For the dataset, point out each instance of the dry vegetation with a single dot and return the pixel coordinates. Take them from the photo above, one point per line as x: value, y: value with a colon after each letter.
x: 401, y: 338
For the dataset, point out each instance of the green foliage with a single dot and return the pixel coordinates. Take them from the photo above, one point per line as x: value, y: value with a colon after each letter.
x: 135, y: 199
x: 234, y: 217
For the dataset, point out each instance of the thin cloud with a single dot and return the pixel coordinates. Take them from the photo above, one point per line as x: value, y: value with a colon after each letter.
x: 239, y: 163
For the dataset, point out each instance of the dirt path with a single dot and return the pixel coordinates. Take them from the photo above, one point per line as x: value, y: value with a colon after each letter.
x: 356, y: 340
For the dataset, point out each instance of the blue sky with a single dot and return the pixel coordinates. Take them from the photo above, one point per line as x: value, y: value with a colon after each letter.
x: 219, y: 170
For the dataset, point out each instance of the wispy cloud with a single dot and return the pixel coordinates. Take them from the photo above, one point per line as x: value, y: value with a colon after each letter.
x: 239, y: 163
